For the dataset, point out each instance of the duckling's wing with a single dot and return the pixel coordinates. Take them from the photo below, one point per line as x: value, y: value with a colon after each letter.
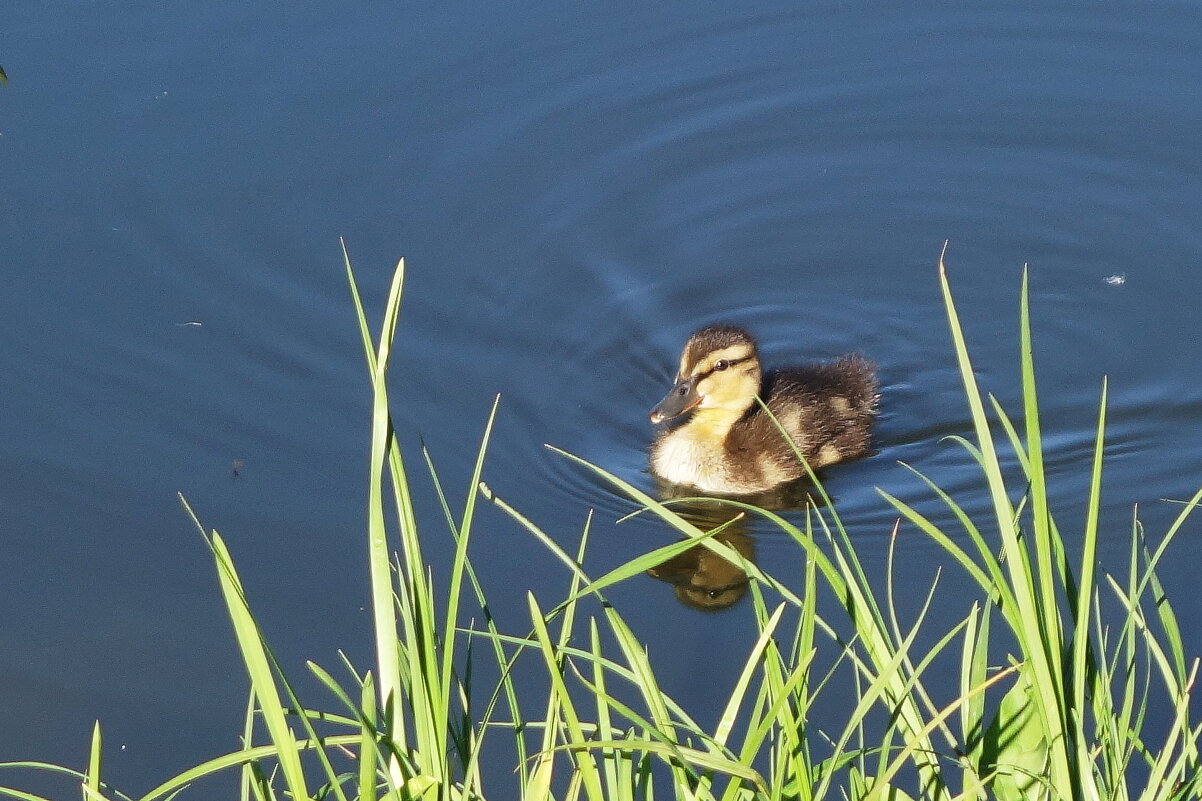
x: 826, y: 408
x: 849, y: 383
x: 856, y: 377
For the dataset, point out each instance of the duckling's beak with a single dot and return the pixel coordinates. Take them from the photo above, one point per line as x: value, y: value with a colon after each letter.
x: 683, y: 397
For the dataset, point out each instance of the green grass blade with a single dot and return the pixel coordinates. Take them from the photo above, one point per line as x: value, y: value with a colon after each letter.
x: 388, y: 669
x: 368, y: 753
x: 505, y: 685
x: 730, y: 713
x: 364, y: 329
x: 258, y: 669
x: 458, y: 568
x: 905, y: 752
x: 1045, y: 558
x: 1082, y: 663
x: 91, y: 782
x: 611, y: 769
x: 238, y: 758
x: 990, y: 582
x: 1035, y: 628
x: 1168, y: 622
x: 584, y: 762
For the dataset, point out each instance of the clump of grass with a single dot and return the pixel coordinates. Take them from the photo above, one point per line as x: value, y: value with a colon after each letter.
x: 1067, y: 713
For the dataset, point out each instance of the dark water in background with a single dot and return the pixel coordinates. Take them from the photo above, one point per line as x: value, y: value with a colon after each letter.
x: 574, y: 191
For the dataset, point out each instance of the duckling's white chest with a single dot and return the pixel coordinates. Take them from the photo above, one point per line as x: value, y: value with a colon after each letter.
x: 682, y: 457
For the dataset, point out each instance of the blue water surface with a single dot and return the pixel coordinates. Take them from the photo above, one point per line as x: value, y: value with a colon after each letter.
x: 575, y: 189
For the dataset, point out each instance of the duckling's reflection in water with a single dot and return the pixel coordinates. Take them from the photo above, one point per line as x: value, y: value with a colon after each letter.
x: 701, y: 578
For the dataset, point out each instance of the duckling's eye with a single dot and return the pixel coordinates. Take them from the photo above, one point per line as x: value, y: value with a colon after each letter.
x: 682, y: 391
x: 721, y: 364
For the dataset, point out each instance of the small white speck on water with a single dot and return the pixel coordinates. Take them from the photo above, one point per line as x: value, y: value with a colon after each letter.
x: 1117, y: 279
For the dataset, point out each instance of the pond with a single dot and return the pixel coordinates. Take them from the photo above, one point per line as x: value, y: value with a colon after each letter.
x: 574, y: 190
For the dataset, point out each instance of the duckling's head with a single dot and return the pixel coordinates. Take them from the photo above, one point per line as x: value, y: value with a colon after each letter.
x: 719, y: 377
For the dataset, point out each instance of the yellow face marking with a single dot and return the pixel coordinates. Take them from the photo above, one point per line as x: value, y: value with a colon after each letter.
x: 724, y: 394
x: 712, y: 424
x: 683, y: 370
x: 733, y: 353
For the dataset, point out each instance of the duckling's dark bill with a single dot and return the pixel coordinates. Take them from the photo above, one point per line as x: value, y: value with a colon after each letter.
x: 682, y: 398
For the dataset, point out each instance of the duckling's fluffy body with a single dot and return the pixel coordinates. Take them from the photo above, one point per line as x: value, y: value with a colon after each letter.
x: 728, y: 445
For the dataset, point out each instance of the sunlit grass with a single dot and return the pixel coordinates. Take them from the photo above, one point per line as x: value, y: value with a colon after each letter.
x: 1065, y: 673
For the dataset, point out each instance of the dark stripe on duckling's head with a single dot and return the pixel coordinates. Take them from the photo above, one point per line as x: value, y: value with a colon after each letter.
x: 730, y: 342
x: 713, y: 351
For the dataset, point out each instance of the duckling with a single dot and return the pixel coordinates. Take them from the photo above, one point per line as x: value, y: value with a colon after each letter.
x: 727, y: 445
